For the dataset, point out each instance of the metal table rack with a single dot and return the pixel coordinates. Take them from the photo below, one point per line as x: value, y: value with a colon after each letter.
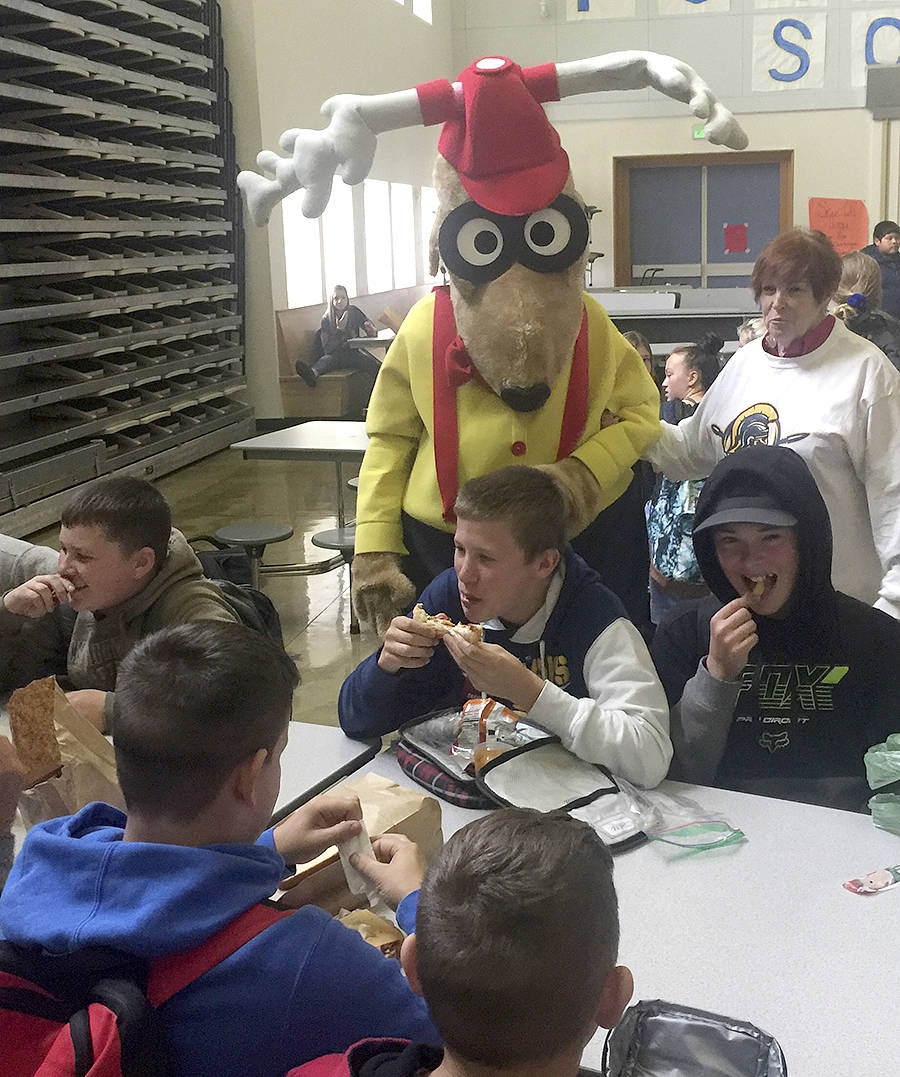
x: 121, y: 247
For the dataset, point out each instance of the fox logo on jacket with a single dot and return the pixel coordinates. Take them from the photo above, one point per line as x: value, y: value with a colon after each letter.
x: 773, y: 741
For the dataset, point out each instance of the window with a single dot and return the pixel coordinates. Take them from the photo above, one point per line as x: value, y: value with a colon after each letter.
x: 302, y: 255
x: 422, y: 9
x: 427, y: 209
x: 380, y: 246
x: 403, y: 235
x: 338, y: 238
x: 378, y: 235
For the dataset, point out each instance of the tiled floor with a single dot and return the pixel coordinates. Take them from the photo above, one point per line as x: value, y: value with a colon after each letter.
x: 314, y: 610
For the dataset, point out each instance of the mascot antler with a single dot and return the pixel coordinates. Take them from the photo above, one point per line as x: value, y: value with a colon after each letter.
x: 346, y: 147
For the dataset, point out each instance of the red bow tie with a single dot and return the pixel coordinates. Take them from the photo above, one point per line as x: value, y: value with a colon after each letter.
x: 458, y: 364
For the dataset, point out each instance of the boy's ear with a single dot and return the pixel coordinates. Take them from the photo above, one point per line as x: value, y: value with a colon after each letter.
x: 548, y: 560
x: 408, y: 963
x: 616, y: 994
x: 245, y: 775
x: 143, y: 562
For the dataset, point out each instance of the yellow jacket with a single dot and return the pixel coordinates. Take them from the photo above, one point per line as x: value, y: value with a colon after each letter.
x: 399, y: 471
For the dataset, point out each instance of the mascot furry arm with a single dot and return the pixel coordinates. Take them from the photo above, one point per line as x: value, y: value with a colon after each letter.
x: 514, y: 359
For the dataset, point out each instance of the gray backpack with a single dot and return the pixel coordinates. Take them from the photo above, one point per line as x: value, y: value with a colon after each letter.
x: 662, y: 1039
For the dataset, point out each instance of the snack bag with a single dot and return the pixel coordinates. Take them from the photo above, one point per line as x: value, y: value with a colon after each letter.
x: 486, y: 730
x: 69, y: 761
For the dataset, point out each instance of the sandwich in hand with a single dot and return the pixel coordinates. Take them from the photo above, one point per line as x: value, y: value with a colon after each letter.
x: 440, y: 621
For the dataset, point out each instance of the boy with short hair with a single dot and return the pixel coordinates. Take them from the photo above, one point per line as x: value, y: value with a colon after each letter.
x: 125, y: 572
x: 202, y: 714
x: 557, y: 643
x: 515, y: 949
x: 885, y: 249
x: 779, y: 683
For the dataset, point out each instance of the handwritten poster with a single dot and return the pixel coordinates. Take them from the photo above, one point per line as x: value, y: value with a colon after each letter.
x: 844, y: 220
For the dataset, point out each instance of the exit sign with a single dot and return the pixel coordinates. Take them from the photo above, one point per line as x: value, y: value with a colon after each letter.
x: 698, y: 130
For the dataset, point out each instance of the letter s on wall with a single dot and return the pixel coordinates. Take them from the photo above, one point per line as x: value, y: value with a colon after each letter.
x: 795, y: 50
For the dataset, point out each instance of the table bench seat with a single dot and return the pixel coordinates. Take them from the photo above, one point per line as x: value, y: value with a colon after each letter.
x: 342, y: 394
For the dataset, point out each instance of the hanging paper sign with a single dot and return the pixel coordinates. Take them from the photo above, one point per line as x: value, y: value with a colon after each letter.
x: 736, y: 239
x: 844, y: 220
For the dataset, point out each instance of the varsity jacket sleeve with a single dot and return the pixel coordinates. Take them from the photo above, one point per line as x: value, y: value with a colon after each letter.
x: 701, y: 722
x: 882, y: 482
x: 624, y: 723
x: 394, y: 427
x: 372, y: 702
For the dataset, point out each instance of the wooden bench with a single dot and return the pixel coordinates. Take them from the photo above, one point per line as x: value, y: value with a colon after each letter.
x: 342, y: 394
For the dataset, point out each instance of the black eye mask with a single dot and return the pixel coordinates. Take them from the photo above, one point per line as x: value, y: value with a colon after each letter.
x: 480, y: 246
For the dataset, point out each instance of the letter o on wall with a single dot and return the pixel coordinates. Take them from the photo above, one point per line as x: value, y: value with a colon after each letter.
x: 794, y: 49
x: 874, y: 27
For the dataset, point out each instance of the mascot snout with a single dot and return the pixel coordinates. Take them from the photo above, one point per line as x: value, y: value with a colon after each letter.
x: 525, y: 399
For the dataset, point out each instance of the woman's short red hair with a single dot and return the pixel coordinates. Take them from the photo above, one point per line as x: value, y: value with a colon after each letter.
x: 800, y: 255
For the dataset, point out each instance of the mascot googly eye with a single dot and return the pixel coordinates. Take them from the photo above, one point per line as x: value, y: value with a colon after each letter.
x: 555, y: 237
x: 477, y: 245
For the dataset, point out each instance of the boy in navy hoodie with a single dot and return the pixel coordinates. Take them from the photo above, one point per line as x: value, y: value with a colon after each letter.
x: 515, y: 950
x: 202, y: 714
x: 557, y: 643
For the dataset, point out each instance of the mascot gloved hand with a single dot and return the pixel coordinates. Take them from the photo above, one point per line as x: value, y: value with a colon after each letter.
x: 385, y: 591
x: 512, y: 363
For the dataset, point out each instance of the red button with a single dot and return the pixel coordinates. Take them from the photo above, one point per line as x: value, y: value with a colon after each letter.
x: 518, y: 448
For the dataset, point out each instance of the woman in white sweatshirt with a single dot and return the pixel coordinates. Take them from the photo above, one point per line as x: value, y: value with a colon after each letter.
x: 831, y: 395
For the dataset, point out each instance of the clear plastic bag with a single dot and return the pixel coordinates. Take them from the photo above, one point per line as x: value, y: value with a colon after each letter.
x: 677, y: 820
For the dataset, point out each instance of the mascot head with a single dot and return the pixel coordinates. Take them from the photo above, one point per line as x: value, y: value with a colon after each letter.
x: 511, y: 231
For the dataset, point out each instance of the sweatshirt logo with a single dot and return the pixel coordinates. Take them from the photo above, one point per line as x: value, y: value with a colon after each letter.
x: 556, y: 670
x: 757, y: 425
x: 790, y: 688
x: 773, y: 741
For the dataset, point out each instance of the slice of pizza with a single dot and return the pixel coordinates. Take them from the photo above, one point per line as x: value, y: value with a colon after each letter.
x: 440, y: 621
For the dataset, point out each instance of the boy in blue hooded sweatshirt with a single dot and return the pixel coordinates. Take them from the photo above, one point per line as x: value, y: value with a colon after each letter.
x: 202, y: 715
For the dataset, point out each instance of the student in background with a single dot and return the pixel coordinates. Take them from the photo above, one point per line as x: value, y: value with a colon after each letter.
x: 779, y: 683
x: 885, y: 249
x: 515, y: 951
x: 857, y: 302
x: 340, y: 323
x: 674, y: 574
x: 642, y: 346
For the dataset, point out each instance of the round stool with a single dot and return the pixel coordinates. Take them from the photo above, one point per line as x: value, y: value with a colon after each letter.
x: 342, y: 539
x: 254, y: 537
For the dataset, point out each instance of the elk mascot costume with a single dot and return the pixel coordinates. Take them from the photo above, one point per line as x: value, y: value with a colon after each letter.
x: 513, y: 363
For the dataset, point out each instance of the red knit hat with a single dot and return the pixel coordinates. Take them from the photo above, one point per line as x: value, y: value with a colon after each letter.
x: 508, y: 157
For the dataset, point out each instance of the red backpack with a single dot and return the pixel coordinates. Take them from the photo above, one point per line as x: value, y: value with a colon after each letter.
x: 93, y: 1013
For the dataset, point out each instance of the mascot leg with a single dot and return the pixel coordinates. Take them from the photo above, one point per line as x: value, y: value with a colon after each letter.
x: 614, y: 544
x: 430, y: 552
